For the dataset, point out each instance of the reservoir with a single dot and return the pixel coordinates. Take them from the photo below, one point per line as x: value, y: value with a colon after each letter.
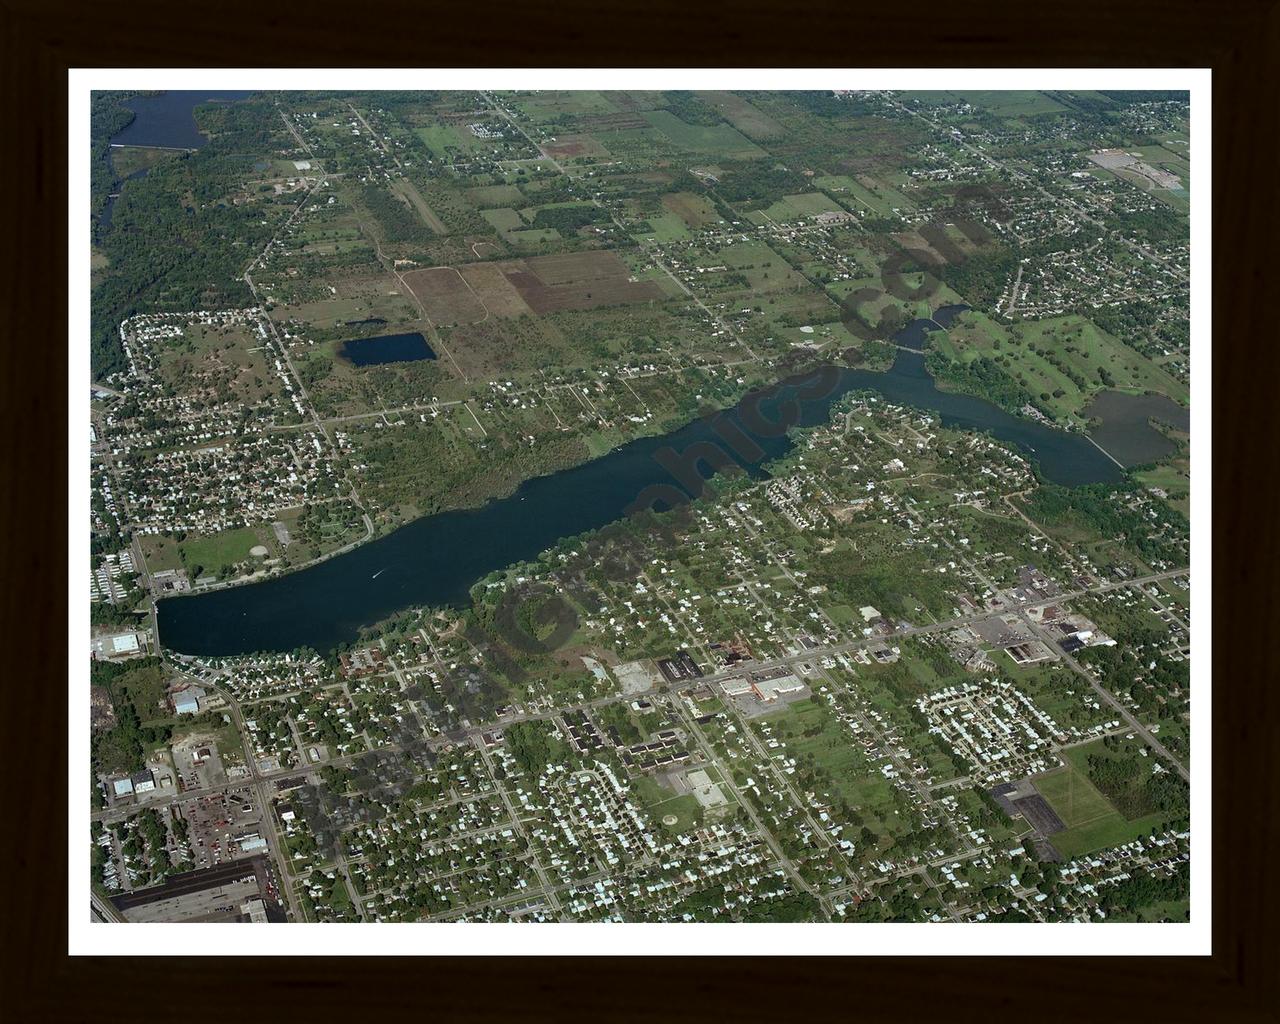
x: 435, y: 560
x: 389, y: 348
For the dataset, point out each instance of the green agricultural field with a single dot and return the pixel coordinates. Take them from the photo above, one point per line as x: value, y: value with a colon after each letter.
x: 488, y: 196
x: 553, y: 103
x: 440, y: 138
x: 715, y: 140
x: 504, y: 220
x: 748, y: 119
x: 665, y: 227
x: 1011, y: 102
x: 797, y: 208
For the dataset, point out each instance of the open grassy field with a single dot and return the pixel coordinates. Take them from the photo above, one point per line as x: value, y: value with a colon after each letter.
x: 753, y: 122
x: 1039, y: 353
x: 763, y: 269
x: 503, y: 219
x: 573, y: 147
x: 532, y: 239
x: 353, y: 294
x: 1092, y: 821
x: 441, y: 138
x: 790, y: 209
x: 550, y: 103
x: 487, y: 196
x: 1074, y: 798
x: 659, y: 802
x: 1174, y: 478
x: 664, y: 227
x: 864, y: 194
x: 540, y: 284
x: 221, y: 549
x: 221, y: 363
x: 693, y: 210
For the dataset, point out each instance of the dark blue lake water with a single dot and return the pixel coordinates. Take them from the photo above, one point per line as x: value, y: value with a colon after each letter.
x: 169, y: 119
x: 1124, y: 425
x: 435, y: 560
x: 389, y: 348
x: 915, y: 335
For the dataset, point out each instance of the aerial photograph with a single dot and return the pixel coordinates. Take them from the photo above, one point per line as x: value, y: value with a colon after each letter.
x: 647, y: 506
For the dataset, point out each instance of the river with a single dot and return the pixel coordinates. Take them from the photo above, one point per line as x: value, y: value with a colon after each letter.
x: 435, y: 560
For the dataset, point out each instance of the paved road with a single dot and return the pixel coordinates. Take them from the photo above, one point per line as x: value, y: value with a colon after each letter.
x: 786, y: 660
x: 1107, y: 696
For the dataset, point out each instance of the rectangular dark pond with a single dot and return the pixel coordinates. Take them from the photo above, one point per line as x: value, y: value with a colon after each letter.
x: 388, y: 348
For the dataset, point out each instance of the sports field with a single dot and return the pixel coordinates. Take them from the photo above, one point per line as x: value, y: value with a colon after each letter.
x: 1092, y: 821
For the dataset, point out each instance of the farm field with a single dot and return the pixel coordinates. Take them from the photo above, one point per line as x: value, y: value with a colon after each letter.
x: 540, y: 284
x: 446, y: 296
x: 753, y: 122
x: 1009, y: 103
x: 714, y: 140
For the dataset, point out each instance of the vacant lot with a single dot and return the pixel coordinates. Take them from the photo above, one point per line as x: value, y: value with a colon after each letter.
x: 581, y: 280
x: 589, y: 293
x: 566, y: 147
x: 472, y: 292
x: 498, y: 294
x: 696, y: 211
x: 217, y: 364
x: 446, y: 297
